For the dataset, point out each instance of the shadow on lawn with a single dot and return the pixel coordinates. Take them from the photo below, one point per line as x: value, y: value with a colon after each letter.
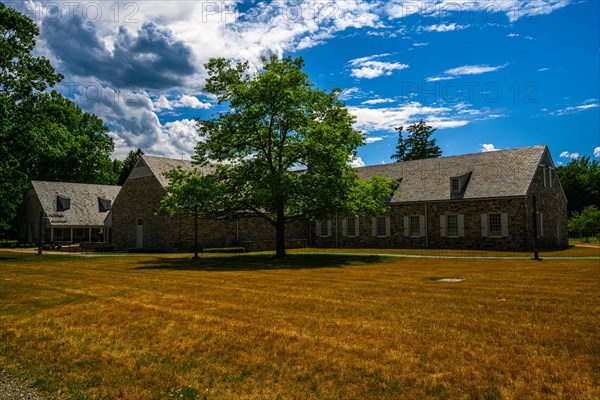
x: 258, y: 262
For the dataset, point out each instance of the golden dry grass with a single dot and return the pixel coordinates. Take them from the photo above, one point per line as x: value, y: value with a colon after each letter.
x: 310, y: 327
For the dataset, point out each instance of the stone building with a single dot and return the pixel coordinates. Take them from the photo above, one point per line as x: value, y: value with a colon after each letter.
x: 137, y: 224
x: 482, y: 200
x: 70, y: 212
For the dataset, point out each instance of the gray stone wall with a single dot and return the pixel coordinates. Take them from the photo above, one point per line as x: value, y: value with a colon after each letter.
x: 552, y: 204
x: 28, y: 218
x: 515, y: 208
x: 140, y: 198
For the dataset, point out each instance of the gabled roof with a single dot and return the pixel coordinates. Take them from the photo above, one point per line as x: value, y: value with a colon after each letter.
x: 84, y: 209
x: 504, y: 173
x: 157, y: 166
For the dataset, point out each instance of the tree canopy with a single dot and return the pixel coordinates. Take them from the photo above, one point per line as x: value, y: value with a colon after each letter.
x: 418, y: 143
x: 43, y: 135
x: 587, y: 221
x: 127, y: 165
x: 580, y: 180
x: 282, y: 150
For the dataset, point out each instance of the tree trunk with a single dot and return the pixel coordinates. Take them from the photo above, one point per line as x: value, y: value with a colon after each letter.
x: 196, y: 231
x: 280, y: 238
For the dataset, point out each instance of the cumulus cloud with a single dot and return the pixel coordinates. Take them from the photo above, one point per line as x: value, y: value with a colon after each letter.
x: 597, y: 152
x: 152, y: 58
x: 357, y: 162
x: 485, y: 147
x: 372, y: 67
x: 566, y: 154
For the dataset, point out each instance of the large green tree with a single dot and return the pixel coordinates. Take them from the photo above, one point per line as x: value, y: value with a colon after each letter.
x: 580, y: 180
x: 42, y: 134
x: 418, y: 143
x: 281, y: 151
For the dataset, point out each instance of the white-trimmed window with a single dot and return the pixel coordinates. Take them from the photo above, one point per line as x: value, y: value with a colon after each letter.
x: 380, y: 226
x: 455, y: 184
x: 323, y: 228
x: 494, y: 225
x: 452, y: 225
x: 350, y: 227
x: 414, y: 225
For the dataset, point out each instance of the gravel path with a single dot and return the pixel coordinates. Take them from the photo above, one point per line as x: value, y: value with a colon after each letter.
x: 14, y: 388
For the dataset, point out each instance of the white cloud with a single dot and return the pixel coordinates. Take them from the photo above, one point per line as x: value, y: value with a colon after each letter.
x: 587, y: 105
x: 544, y: 69
x: 445, y: 27
x: 420, y: 44
x: 388, y: 118
x: 474, y: 69
x: 597, y: 152
x: 485, y: 147
x: 516, y: 35
x: 439, y: 78
x: 191, y: 102
x: 566, y: 154
x: 373, y: 139
x: 378, y: 101
x: 371, y: 67
x: 357, y: 162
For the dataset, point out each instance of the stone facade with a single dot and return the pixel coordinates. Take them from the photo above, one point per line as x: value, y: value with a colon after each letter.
x: 492, y: 210
x: 134, y: 215
x: 551, y: 204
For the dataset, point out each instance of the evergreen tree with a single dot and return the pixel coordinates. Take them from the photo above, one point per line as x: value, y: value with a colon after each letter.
x: 418, y: 143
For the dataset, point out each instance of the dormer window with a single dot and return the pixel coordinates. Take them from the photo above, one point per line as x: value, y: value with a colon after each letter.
x: 62, y: 203
x: 103, y: 204
x: 455, y: 184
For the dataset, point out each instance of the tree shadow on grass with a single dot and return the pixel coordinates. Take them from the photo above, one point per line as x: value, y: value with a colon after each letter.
x: 258, y: 262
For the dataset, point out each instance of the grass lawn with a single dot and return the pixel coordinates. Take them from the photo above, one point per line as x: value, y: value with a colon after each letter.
x: 311, y: 326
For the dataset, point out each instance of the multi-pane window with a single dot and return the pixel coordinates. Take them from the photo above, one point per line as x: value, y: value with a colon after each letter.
x: 381, y: 228
x: 351, y: 226
x: 415, y: 225
x: 455, y: 184
x: 452, y: 225
x: 495, y: 224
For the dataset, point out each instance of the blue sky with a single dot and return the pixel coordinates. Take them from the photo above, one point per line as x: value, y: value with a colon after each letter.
x: 488, y: 74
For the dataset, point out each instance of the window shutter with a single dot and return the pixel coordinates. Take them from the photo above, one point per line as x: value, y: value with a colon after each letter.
x: 504, y: 219
x: 545, y: 173
x: 373, y: 226
x: 484, y: 225
x: 421, y: 225
x: 406, y: 227
x: 345, y: 227
x: 387, y: 226
x: 328, y: 227
x: 550, y: 177
x: 461, y: 225
x: 541, y: 225
x: 318, y: 229
x: 442, y: 225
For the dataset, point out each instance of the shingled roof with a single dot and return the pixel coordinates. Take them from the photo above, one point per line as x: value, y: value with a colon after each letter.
x: 157, y: 166
x: 84, y: 209
x: 504, y: 173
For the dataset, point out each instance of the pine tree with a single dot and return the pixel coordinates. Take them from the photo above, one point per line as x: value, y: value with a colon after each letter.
x: 417, y: 144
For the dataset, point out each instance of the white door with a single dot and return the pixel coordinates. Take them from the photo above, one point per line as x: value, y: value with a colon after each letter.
x: 139, y: 233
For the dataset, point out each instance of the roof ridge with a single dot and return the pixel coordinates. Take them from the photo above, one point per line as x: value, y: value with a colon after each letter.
x: 75, y: 183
